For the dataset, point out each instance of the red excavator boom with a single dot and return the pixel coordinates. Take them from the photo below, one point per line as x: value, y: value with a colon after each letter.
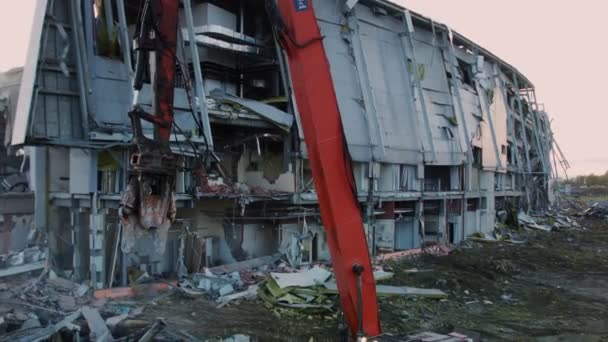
x: 148, y: 201
x: 330, y: 163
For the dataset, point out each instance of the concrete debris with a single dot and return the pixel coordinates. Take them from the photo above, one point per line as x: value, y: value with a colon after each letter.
x: 436, y: 250
x: 226, y: 290
x: 82, y: 290
x: 99, y: 330
x: 249, y: 294
x: 495, y: 237
x: 213, y: 284
x: 381, y: 275
x: 307, y: 278
x: 598, y: 209
x: 66, y: 303
x: 237, y: 338
x: 112, y: 322
x: 61, y: 283
x: 528, y: 222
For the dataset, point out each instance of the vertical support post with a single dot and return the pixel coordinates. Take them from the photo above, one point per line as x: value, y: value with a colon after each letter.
x: 124, y: 36
x: 242, y: 31
x: 40, y: 185
x: 485, y: 107
x: 456, y: 86
x: 80, y: 66
x: 420, y: 219
x: 109, y: 15
x: 96, y: 243
x: 523, y: 131
x: 510, y: 120
x: 201, y: 101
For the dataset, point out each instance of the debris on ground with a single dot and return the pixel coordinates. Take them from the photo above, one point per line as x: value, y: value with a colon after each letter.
x: 597, y: 209
x: 492, y: 275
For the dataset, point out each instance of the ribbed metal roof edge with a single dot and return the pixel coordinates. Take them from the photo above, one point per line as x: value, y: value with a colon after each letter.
x: 459, y: 38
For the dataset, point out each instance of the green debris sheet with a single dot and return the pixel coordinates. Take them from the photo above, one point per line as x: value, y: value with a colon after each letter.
x: 314, y: 300
x: 311, y: 292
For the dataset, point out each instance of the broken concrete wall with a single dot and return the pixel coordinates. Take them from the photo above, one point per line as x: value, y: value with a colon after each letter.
x: 265, y: 170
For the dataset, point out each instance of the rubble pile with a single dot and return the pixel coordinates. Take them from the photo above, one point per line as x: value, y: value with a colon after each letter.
x: 598, y: 210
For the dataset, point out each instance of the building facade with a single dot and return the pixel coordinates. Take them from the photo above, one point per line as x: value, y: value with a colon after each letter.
x: 442, y: 134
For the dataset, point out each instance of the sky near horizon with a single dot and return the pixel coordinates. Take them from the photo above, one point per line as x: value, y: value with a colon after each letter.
x: 559, y: 45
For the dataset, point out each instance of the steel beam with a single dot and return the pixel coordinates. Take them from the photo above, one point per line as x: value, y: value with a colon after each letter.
x: 485, y: 107
x: 456, y: 86
x: 523, y: 133
x: 201, y: 97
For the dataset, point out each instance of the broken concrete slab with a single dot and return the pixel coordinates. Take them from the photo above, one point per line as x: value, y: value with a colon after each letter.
x: 381, y: 275
x: 32, y: 322
x: 99, y: 330
x: 212, y: 283
x: 82, y: 290
x: 66, y: 303
x: 226, y: 290
x: 62, y: 283
x: 307, y: 278
x: 112, y: 322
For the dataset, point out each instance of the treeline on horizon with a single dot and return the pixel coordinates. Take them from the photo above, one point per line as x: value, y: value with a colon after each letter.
x: 589, y: 180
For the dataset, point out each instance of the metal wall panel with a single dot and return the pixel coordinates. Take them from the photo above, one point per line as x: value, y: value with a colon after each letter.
x: 49, y: 105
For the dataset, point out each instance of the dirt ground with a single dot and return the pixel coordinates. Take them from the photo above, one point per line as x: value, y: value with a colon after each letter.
x: 551, y: 288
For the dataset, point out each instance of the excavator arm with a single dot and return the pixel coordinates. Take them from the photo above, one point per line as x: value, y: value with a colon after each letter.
x: 149, y: 196
x: 148, y: 201
x: 331, y: 166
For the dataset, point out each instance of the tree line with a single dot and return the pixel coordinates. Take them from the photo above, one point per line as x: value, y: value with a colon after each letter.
x: 589, y: 180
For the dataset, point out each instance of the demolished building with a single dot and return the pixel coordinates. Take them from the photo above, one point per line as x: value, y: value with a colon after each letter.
x: 442, y: 134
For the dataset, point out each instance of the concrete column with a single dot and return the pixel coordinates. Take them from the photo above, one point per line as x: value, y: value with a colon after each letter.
x: 39, y: 184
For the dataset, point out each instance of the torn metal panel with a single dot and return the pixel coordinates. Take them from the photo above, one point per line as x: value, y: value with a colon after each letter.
x: 369, y: 101
x: 486, y: 108
x: 49, y: 106
x: 369, y: 73
x: 270, y: 113
x: 24, y: 105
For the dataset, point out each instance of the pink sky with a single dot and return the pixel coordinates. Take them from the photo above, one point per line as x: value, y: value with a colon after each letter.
x: 559, y: 45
